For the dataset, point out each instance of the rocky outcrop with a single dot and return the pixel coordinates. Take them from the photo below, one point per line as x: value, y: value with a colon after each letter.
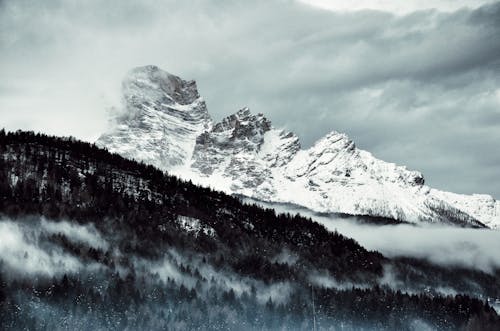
x: 166, y: 123
x: 162, y: 117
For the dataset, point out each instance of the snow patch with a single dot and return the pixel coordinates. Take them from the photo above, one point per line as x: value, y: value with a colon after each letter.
x: 195, y: 226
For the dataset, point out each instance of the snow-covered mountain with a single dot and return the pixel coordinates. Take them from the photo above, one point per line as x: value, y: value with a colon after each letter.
x: 166, y: 123
x: 163, y: 115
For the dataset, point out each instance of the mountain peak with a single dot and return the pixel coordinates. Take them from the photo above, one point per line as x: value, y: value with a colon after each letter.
x: 245, y: 154
x: 243, y: 112
x: 337, y: 140
x: 163, y: 115
x: 152, y: 84
x: 243, y: 124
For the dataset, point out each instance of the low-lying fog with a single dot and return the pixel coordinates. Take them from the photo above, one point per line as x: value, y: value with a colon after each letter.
x: 27, y: 250
x: 444, y: 245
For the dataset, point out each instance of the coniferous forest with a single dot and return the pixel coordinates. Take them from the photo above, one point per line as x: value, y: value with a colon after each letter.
x: 107, y: 243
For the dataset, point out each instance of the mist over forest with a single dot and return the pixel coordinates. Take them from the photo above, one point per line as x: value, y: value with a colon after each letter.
x: 440, y: 244
x: 90, y: 240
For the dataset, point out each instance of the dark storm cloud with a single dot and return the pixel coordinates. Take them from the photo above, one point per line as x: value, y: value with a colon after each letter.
x: 420, y: 89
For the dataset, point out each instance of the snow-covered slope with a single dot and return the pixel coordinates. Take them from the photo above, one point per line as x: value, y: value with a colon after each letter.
x: 166, y: 124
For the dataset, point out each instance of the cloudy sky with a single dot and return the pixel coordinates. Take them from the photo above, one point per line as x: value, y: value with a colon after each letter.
x: 414, y: 82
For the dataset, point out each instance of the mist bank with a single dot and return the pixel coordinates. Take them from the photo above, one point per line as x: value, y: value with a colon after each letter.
x: 181, y: 289
x: 443, y: 245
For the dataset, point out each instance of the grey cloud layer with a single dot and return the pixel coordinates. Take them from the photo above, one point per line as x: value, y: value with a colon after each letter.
x: 421, y: 89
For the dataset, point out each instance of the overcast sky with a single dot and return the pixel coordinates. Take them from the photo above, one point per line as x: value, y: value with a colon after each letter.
x: 414, y: 82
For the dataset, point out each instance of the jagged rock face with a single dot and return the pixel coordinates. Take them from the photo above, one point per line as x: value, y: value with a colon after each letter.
x: 167, y: 125
x: 238, y: 149
x: 163, y: 116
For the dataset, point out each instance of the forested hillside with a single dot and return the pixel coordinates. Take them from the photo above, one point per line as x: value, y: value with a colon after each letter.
x: 126, y: 246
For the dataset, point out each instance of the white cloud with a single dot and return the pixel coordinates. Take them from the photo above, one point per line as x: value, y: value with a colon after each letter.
x: 25, y: 250
x: 399, y: 7
x: 87, y: 234
x: 472, y: 248
x: 20, y: 251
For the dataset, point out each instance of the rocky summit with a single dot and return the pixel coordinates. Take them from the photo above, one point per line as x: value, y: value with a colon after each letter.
x: 165, y: 123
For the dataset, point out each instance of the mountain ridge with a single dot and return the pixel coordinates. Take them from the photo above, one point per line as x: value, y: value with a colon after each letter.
x: 244, y: 154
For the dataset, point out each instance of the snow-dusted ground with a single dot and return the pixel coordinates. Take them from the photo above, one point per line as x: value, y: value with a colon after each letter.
x: 166, y: 123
